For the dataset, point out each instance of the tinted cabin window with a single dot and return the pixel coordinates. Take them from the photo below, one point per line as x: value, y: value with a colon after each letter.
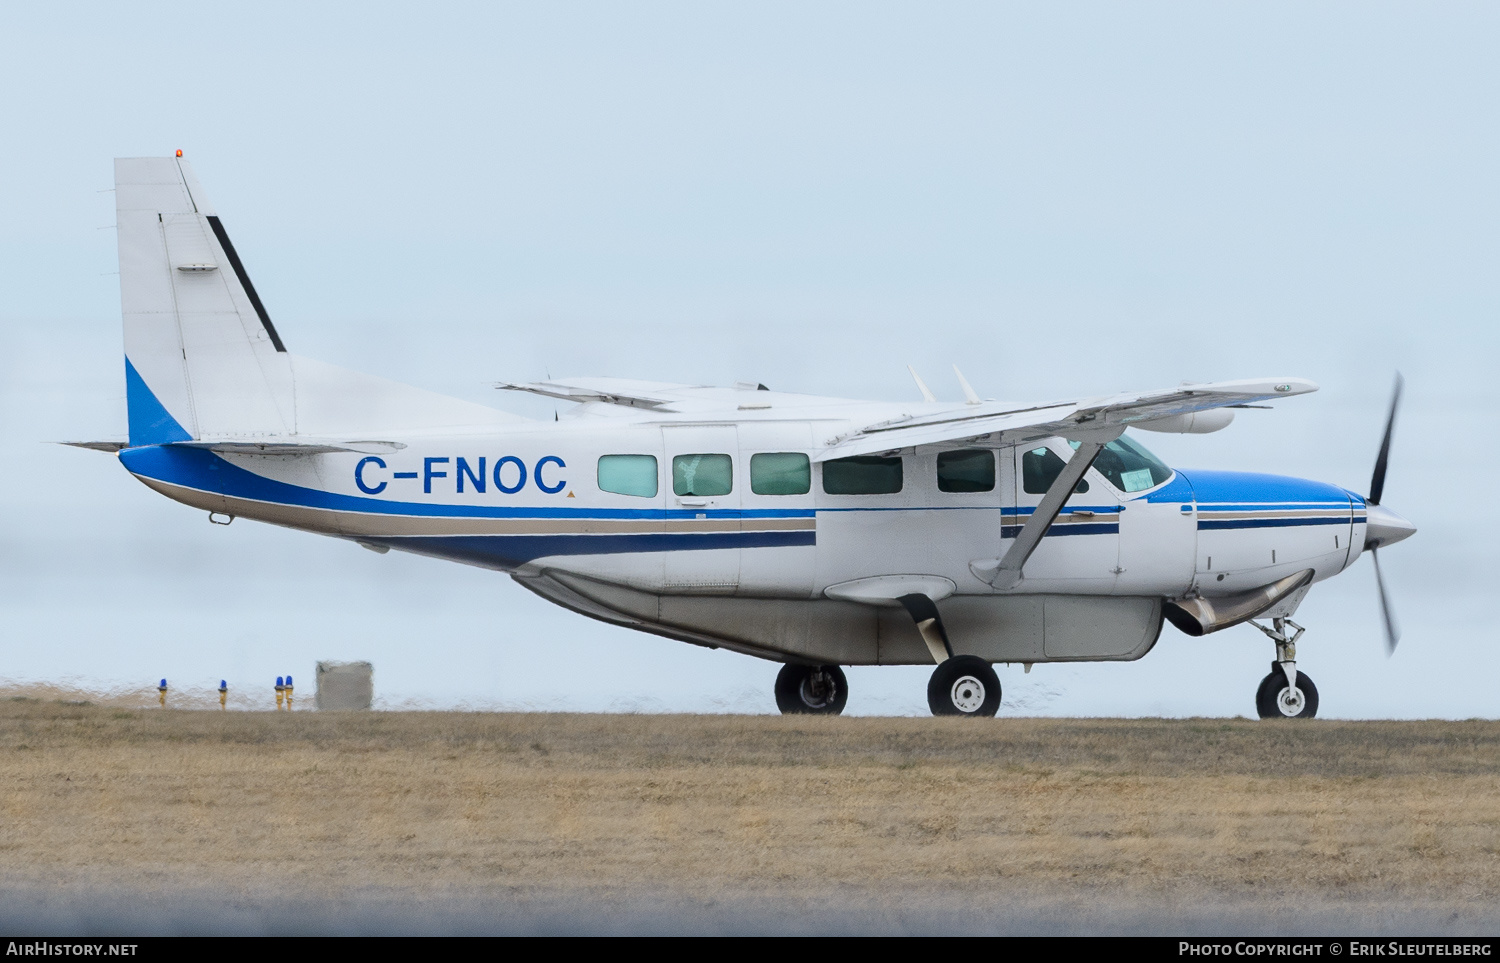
x: 862, y: 475
x: 1040, y: 468
x: 628, y: 475
x: 780, y: 473
x: 969, y: 470
x: 1130, y: 467
x: 702, y: 475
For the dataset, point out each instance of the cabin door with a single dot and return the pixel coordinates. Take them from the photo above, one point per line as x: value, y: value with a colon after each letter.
x: 1081, y: 551
x: 703, y: 509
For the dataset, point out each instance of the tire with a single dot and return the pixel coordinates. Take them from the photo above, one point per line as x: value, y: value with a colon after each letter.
x: 1269, y: 699
x: 811, y: 690
x: 964, y: 685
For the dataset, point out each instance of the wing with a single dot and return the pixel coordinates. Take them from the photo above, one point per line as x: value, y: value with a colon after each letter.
x: 993, y: 426
x: 614, y: 391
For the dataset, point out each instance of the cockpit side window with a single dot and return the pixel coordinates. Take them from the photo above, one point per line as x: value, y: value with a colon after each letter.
x: 1040, y: 468
x: 1128, y: 466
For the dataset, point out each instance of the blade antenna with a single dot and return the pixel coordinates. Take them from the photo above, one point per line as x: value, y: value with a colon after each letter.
x: 970, y: 398
x: 926, y: 394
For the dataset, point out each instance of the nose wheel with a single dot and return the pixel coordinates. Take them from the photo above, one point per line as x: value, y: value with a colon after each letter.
x: 1286, y: 693
x: 1276, y: 699
x: 811, y: 690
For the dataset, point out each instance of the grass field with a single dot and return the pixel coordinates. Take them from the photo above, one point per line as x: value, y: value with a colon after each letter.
x: 1047, y: 816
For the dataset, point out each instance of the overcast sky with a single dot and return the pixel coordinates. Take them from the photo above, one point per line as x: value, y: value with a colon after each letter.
x: 1061, y: 197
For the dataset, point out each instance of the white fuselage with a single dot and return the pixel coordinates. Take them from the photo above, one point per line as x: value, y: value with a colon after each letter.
x: 770, y: 573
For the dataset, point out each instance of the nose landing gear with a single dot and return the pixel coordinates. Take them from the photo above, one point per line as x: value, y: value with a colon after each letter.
x: 1285, y: 693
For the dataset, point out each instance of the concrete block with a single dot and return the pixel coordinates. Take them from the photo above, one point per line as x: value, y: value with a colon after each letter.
x: 345, y: 685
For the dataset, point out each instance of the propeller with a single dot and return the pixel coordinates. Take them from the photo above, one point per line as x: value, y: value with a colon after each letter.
x: 1377, y: 490
x: 1377, y: 480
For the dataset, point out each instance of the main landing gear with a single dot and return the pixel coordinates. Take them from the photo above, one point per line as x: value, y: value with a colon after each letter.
x: 811, y: 690
x: 961, y: 685
x: 1285, y: 693
x: 964, y: 685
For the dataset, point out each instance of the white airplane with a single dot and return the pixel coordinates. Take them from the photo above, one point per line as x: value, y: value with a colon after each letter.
x: 816, y: 532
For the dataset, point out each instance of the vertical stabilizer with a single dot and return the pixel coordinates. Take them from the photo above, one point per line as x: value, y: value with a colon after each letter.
x: 202, y: 357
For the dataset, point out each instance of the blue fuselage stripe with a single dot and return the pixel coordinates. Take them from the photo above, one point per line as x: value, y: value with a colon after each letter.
x: 1211, y: 524
x: 1075, y: 528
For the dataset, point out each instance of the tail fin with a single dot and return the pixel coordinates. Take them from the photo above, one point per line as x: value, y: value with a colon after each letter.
x: 202, y: 358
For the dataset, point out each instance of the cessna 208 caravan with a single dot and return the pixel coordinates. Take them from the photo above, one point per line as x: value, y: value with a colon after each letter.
x: 816, y: 532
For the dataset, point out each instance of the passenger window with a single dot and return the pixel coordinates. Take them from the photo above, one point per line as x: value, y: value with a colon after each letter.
x: 702, y: 475
x: 967, y: 470
x: 628, y: 475
x: 780, y: 473
x: 1040, y: 468
x: 862, y: 475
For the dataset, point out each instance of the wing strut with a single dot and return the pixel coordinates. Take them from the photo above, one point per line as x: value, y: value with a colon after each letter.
x: 1005, y: 573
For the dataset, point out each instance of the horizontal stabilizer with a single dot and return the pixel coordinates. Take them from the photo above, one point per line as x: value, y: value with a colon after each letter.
x: 297, y: 446
x: 109, y: 446
x: 265, y: 446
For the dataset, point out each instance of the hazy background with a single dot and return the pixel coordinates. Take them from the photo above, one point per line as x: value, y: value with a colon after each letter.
x: 1061, y: 197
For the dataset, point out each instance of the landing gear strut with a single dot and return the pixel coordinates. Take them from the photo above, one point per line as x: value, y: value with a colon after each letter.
x: 811, y: 690
x: 1285, y: 693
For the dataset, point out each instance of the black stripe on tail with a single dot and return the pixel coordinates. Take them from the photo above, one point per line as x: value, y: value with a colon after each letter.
x: 239, y: 272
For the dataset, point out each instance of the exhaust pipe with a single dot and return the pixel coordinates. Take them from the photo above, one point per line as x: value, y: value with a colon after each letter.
x: 1200, y: 616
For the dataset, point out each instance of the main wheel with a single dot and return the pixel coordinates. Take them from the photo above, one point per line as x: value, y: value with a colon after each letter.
x: 811, y: 690
x: 964, y: 685
x: 1277, y: 700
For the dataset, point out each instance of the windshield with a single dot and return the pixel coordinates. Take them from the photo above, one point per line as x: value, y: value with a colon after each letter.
x: 1128, y: 466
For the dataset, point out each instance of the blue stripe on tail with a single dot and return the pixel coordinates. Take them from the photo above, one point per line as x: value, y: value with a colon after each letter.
x: 150, y: 422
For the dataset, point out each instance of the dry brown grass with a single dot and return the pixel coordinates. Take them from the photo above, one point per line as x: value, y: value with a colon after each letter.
x: 472, y: 802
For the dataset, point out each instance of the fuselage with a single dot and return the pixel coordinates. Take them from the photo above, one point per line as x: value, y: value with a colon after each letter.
x: 644, y: 514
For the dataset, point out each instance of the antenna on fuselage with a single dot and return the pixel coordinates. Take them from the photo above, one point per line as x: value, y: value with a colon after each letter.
x: 970, y: 398
x: 927, y: 395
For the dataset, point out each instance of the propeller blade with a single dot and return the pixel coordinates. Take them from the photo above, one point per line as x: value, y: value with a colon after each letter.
x: 1377, y: 480
x: 1392, y: 630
